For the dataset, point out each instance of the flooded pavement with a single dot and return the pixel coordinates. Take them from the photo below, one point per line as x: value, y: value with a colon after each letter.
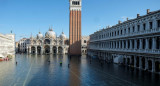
x: 46, y: 70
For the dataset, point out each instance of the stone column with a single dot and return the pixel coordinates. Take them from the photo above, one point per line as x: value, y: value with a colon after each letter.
x: 140, y: 44
x: 111, y: 44
x: 57, y: 50
x: 135, y: 44
x: 51, y: 51
x: 141, y: 26
x: 146, y: 63
x: 135, y: 61
x: 122, y: 44
x: 130, y: 44
x: 29, y: 50
x: 41, y: 50
x: 140, y: 63
x: 136, y: 28
x: 35, y: 49
x: 153, y: 43
x: 147, y: 26
x: 153, y: 65
x: 126, y: 44
x: 119, y: 44
x: 147, y: 43
x: 116, y: 44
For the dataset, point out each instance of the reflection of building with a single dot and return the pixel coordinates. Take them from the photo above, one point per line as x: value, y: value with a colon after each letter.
x: 135, y: 42
x: 16, y: 47
x: 84, y: 43
x: 50, y: 44
x: 75, y: 27
x: 22, y: 46
x: 7, y: 44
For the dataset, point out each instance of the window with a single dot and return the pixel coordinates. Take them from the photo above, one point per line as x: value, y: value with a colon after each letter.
x: 144, y: 26
x: 138, y: 27
x: 124, y: 30
x: 75, y: 3
x: 121, y: 32
x: 118, y: 32
x: 133, y: 29
x: 84, y: 41
x: 78, y: 2
x: 150, y: 25
x: 158, y: 23
x: 128, y: 30
x: 144, y: 43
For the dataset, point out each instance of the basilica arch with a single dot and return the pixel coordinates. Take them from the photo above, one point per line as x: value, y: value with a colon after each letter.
x: 47, y: 49
x: 60, y: 50
x: 54, y: 49
x: 33, y: 50
x: 47, y: 41
x: 38, y: 50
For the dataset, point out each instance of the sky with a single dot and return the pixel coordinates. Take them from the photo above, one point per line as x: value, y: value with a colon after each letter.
x: 26, y: 17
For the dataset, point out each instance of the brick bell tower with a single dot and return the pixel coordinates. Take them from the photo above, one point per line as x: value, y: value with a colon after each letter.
x: 75, y: 27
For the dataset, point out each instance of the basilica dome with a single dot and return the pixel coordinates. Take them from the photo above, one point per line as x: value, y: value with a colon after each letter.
x: 39, y: 35
x: 50, y: 34
x: 62, y: 36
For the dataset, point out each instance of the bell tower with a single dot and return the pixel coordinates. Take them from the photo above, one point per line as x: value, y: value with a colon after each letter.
x: 75, y: 27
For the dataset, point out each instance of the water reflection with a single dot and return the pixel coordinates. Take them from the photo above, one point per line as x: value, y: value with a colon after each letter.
x: 36, y: 70
x: 74, y: 73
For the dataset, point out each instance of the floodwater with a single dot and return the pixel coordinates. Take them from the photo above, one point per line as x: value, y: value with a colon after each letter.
x: 46, y: 70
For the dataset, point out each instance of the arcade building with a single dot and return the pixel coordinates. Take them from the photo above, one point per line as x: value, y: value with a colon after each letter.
x: 135, y: 42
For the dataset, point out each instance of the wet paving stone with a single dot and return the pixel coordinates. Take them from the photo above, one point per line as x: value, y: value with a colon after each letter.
x: 35, y: 70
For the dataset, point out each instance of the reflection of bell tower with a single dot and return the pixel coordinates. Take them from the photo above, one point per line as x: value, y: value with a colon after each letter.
x: 75, y: 27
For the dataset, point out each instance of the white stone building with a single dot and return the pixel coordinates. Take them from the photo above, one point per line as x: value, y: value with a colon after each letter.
x: 135, y: 42
x: 22, y: 45
x: 48, y: 44
x: 7, y: 44
x: 84, y: 44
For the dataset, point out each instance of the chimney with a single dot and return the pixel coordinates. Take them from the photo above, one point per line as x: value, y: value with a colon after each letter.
x: 127, y: 18
x: 148, y: 11
x: 138, y: 15
x: 119, y: 22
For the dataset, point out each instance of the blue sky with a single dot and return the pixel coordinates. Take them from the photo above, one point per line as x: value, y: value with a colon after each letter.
x: 24, y: 17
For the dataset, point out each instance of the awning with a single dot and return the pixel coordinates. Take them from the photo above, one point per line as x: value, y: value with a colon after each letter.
x: 1, y: 56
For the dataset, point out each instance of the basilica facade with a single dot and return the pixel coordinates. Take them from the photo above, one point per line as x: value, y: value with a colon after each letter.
x: 48, y: 44
x: 134, y: 42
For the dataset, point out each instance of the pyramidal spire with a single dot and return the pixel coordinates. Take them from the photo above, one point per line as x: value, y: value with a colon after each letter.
x: 49, y: 28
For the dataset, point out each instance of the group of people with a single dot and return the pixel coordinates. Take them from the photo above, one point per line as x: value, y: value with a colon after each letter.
x: 5, y: 59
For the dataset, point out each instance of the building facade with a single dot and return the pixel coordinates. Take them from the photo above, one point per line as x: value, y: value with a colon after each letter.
x: 135, y: 42
x: 48, y: 44
x: 84, y: 44
x: 75, y: 27
x: 7, y: 44
x: 22, y: 45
